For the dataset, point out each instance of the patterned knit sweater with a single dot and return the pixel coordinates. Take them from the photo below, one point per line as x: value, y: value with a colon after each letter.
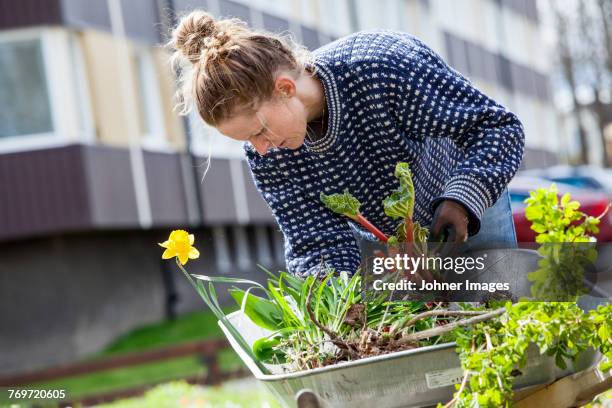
x: 390, y: 98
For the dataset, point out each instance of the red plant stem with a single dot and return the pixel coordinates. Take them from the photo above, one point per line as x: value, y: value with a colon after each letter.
x: 409, y: 232
x: 370, y: 227
x: 409, y: 229
x: 600, y: 216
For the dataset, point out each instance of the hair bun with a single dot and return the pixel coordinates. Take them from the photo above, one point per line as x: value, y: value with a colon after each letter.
x: 198, y: 34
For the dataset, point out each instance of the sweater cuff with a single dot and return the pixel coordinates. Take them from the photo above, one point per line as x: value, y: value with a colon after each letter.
x: 469, y: 192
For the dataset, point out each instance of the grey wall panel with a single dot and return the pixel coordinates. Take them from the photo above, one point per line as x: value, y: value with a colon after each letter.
x: 42, y: 191
x: 230, y: 8
x: 166, y: 189
x: 310, y: 38
x: 477, y: 62
x: 326, y: 39
x: 538, y: 158
x: 142, y: 20
x: 543, y: 86
x: 111, y: 187
x: 259, y: 211
x: 218, y: 201
x: 531, y: 10
x: 141, y: 17
x: 456, y: 51
x: 86, y: 14
x: 526, y: 8
x: 275, y: 24
x: 491, y: 69
x: 519, y: 78
x: 504, y: 71
x: 64, y: 297
x: 185, y: 6
x: 24, y: 13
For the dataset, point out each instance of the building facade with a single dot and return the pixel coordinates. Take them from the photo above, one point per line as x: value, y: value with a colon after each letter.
x: 96, y: 167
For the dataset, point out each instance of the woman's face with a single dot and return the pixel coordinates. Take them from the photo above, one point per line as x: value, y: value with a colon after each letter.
x: 279, y: 122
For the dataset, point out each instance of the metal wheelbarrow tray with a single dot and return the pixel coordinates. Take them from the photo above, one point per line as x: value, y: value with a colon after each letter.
x: 412, y: 378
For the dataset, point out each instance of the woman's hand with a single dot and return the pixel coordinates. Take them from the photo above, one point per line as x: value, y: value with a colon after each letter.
x: 450, y: 213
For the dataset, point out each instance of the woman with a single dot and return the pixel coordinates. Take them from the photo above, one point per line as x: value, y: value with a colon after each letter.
x: 341, y: 118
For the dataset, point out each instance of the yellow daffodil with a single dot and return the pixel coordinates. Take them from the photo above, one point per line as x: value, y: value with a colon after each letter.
x: 180, y: 245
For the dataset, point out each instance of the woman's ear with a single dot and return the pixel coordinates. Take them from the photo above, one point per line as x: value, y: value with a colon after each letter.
x: 285, y: 86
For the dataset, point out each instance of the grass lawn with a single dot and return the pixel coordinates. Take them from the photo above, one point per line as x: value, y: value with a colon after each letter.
x: 190, y: 327
x: 236, y: 394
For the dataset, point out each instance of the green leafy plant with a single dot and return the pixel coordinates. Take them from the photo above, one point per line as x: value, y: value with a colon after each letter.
x: 316, y: 322
x: 398, y: 205
x: 566, y: 244
x: 329, y: 318
x: 492, y: 350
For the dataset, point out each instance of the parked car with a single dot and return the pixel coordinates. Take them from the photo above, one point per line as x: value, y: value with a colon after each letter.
x: 592, y: 202
x: 590, y: 177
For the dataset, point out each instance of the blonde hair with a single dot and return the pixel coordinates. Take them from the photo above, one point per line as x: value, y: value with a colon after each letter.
x: 226, y: 68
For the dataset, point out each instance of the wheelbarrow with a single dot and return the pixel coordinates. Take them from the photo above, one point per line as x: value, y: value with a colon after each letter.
x: 419, y: 377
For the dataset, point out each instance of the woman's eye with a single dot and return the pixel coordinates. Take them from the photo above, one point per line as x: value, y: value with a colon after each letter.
x: 256, y: 135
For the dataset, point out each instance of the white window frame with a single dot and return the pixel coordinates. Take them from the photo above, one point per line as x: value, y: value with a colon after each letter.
x: 62, y: 87
x: 205, y: 139
x: 279, y: 246
x: 243, y: 254
x: 222, y: 249
x: 149, y: 94
x: 262, y: 245
x: 82, y: 94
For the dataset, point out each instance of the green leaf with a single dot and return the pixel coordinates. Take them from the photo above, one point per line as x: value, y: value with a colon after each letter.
x: 400, y: 204
x: 262, y: 312
x: 604, y: 333
x: 560, y: 361
x: 343, y: 204
x: 266, y: 350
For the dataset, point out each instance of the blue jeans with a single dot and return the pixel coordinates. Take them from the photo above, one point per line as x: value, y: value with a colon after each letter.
x: 496, y: 226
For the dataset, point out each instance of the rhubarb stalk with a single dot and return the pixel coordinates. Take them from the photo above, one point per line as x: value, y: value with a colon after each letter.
x: 347, y: 205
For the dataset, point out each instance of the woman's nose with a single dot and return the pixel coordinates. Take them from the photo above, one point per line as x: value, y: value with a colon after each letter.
x: 261, y: 145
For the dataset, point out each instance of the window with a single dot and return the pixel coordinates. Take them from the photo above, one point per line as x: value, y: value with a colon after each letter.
x: 278, y: 243
x: 275, y: 24
x: 262, y: 242
x: 205, y: 138
x: 243, y: 255
x: 457, y: 52
x: 579, y: 181
x: 151, y: 112
x: 222, y: 249
x: 43, y: 90
x: 81, y: 90
x: 310, y: 38
x: 24, y: 93
x: 230, y: 8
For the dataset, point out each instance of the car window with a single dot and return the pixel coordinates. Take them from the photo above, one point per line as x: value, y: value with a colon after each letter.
x: 582, y: 182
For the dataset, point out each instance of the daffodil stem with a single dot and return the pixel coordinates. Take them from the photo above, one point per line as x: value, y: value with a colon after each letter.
x: 185, y: 273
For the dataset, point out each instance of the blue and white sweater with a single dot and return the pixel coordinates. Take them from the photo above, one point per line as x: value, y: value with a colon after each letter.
x: 390, y: 98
